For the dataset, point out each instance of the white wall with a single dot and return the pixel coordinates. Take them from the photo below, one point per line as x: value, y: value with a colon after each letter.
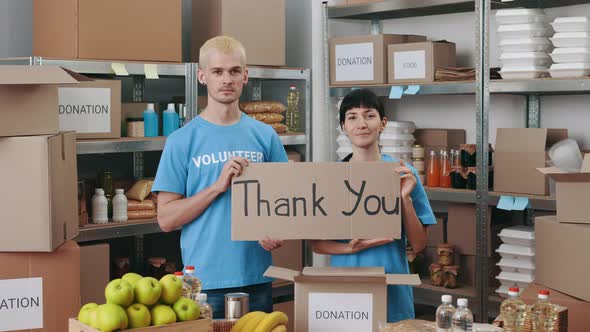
x: 16, y: 28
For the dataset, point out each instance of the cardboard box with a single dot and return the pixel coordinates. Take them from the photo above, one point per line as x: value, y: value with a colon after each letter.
x: 436, y: 233
x: 417, y: 62
x: 556, y: 242
x: 200, y: 325
x: 246, y: 21
x: 340, y: 299
x: 316, y: 201
x: 39, y: 206
x: 47, y: 286
x: 572, y: 191
x: 519, y: 152
x: 434, y: 139
x: 578, y: 310
x: 362, y: 59
x: 461, y: 228
x: 136, y: 30
x: 289, y: 256
x: 94, y: 272
x: 92, y: 109
x: 289, y: 309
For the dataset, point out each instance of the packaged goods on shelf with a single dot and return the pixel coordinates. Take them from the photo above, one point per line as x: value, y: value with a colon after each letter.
x: 268, y: 117
x: 520, y: 16
x: 521, y: 280
x: 524, y: 59
x: 262, y: 106
x: 571, y: 39
x: 279, y: 127
x: 418, y: 62
x: 520, y: 253
x: 140, y: 190
x: 571, y: 24
x: 523, y: 72
x: 528, y: 30
x: 571, y: 54
x: 518, y: 235
x: 532, y: 44
x: 565, y: 70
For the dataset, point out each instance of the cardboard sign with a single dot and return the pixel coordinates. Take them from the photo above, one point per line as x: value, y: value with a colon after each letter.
x: 317, y: 201
x: 21, y: 304
x: 354, y: 62
x: 340, y: 312
x: 409, y: 65
x: 85, y: 110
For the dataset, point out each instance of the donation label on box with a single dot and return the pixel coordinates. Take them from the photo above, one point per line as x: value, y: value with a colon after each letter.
x: 355, y: 62
x: 21, y: 304
x: 409, y: 65
x: 344, y: 312
x: 85, y: 110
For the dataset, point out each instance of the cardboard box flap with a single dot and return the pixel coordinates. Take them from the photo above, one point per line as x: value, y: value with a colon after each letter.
x: 563, y: 176
x: 521, y: 139
x: 403, y: 279
x: 281, y: 273
x: 344, y: 271
x: 22, y: 75
x: 586, y: 163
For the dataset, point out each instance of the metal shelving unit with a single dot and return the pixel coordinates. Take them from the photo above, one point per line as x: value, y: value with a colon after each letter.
x: 482, y: 87
x: 117, y: 230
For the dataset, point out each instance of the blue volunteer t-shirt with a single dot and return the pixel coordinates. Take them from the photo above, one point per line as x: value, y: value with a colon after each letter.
x: 192, y: 160
x: 392, y: 256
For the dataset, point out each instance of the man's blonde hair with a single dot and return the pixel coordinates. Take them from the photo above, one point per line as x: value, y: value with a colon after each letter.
x: 224, y: 44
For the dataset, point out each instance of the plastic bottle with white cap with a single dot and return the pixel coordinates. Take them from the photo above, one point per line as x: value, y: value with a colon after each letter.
x: 206, y: 310
x: 444, y: 314
x: 150, y: 121
x: 171, y: 120
x: 463, y: 317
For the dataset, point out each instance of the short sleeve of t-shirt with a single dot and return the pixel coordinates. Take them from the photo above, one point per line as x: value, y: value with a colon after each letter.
x: 172, y: 171
x: 277, y: 150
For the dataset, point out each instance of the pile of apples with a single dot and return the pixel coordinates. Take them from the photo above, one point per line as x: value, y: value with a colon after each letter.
x: 135, y: 301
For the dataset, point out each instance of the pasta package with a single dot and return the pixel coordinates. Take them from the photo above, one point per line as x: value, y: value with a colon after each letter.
x: 250, y: 107
x: 140, y: 190
x: 268, y: 117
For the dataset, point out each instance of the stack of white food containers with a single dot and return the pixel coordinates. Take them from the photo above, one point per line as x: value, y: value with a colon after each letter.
x: 523, y: 43
x: 572, y: 42
x: 396, y: 140
x: 518, y: 258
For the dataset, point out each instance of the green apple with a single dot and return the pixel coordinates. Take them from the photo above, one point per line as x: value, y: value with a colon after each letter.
x: 171, y: 288
x: 111, y: 317
x: 186, y: 309
x: 147, y: 291
x: 138, y: 315
x: 120, y: 292
x: 162, y: 315
x: 84, y: 314
x: 131, y: 278
x: 93, y: 317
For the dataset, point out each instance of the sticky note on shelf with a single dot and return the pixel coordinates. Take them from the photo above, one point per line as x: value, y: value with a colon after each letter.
x: 119, y: 69
x: 506, y: 203
x: 151, y: 71
x: 520, y: 203
x: 412, y: 90
x: 396, y: 92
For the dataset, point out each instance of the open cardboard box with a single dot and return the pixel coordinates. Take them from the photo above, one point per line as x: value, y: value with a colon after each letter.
x: 572, y: 190
x: 341, y: 299
x: 200, y: 325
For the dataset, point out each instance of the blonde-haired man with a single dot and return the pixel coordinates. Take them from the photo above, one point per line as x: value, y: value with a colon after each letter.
x: 194, y: 177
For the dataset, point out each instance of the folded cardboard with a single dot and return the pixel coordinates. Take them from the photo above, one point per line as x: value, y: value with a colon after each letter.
x: 518, y: 153
x: 315, y: 201
x: 38, y: 208
x: 137, y: 30
x: 461, y: 228
x: 417, y: 62
x: 363, y: 59
x: 246, y: 21
x: 572, y: 191
x: 578, y: 311
x: 94, y: 272
x: 40, y: 291
x: 340, y: 299
x: 559, y: 242
x: 199, y: 325
x: 289, y: 256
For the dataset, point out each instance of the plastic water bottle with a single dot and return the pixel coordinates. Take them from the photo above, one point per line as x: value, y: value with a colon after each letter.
x: 444, y: 314
x: 119, y: 206
x: 543, y: 313
x: 462, y: 318
x: 100, y: 209
x: 513, y: 310
x: 171, y: 120
x: 150, y: 121
x: 292, y: 118
x: 206, y: 310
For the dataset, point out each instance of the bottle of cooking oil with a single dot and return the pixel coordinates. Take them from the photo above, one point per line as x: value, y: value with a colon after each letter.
x: 543, y: 313
x: 186, y: 289
x: 192, y: 281
x: 292, y: 118
x: 513, y: 310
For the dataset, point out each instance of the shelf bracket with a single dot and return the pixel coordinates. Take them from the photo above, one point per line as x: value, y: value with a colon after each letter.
x: 376, y: 26
x: 533, y: 111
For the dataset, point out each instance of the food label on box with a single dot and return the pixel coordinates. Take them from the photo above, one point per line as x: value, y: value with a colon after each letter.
x: 343, y: 312
x: 21, y: 304
x: 409, y: 65
x: 85, y: 110
x: 354, y: 62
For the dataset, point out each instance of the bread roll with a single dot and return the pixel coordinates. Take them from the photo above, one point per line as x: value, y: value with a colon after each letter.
x: 279, y: 127
x: 147, y: 204
x: 250, y: 107
x: 268, y: 117
x: 143, y: 214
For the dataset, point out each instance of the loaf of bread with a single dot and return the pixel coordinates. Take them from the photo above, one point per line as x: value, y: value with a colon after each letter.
x: 143, y: 214
x: 268, y: 117
x: 140, y: 190
x: 250, y: 107
x: 279, y: 127
x: 146, y: 204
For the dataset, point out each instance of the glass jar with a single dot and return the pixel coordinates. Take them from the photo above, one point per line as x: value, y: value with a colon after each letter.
x: 468, y: 156
x: 445, y: 254
x: 418, y: 152
x: 458, y: 178
x: 471, y: 178
x: 450, y: 276
x: 135, y: 127
x: 436, y: 274
x: 418, y: 164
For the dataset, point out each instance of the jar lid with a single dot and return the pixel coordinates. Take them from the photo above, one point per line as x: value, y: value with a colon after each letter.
x: 134, y: 120
x: 451, y: 268
x: 417, y: 146
x: 417, y: 159
x: 435, y: 267
x: 237, y: 297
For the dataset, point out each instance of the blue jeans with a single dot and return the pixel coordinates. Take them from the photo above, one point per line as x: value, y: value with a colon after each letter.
x: 260, y: 298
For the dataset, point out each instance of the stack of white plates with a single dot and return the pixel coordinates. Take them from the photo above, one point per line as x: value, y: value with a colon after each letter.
x: 523, y: 43
x: 572, y: 42
x: 518, y: 258
x: 396, y: 140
